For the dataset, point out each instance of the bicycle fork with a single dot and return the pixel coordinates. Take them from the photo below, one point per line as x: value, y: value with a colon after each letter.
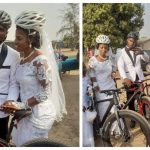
x: 122, y: 124
x: 10, y: 130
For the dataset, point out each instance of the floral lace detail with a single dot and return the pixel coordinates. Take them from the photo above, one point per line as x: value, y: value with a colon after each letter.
x: 92, y: 62
x: 92, y: 66
x: 43, y: 73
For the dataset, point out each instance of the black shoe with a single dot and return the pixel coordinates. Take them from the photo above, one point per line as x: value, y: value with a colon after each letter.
x: 132, y: 124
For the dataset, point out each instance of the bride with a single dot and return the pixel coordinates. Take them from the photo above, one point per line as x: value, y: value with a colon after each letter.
x: 38, y: 78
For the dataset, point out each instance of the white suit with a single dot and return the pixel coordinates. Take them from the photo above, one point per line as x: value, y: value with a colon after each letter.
x: 126, y: 68
x: 8, y: 87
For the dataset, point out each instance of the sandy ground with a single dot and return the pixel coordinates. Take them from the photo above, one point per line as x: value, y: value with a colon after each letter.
x: 67, y: 131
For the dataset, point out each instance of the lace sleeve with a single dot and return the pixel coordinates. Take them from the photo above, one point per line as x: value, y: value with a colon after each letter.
x: 92, y: 62
x: 92, y: 67
x: 43, y: 74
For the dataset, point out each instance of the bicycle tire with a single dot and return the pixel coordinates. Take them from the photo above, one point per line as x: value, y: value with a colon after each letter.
x: 3, y: 143
x: 143, y: 124
x: 42, y: 142
x: 144, y: 107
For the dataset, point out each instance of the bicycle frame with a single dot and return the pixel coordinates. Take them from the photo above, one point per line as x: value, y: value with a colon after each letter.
x: 18, y: 115
x: 107, y: 111
x: 113, y: 102
x: 8, y: 137
x: 12, y: 125
x: 137, y: 93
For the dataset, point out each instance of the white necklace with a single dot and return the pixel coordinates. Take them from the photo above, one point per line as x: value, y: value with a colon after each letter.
x: 24, y: 58
x: 103, y: 58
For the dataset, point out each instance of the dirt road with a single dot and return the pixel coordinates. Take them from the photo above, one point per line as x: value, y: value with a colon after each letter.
x: 67, y: 131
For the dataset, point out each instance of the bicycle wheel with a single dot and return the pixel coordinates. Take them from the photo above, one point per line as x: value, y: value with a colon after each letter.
x: 42, y: 142
x: 144, y: 107
x: 139, y: 136
x: 3, y: 143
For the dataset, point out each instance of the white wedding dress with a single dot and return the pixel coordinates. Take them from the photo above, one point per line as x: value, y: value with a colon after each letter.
x: 34, y: 79
x: 102, y: 71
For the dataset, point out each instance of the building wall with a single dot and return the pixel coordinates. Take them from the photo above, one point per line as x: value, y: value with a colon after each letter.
x: 146, y: 45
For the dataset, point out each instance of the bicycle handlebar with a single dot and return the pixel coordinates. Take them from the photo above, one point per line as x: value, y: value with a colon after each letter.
x: 123, y: 87
x: 112, y: 90
x: 139, y: 82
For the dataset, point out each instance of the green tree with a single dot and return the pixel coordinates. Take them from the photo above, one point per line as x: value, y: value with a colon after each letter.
x: 114, y: 20
x: 70, y: 24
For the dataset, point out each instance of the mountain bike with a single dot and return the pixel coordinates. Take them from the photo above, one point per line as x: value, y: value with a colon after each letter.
x: 114, y: 128
x: 141, y: 98
x: 38, y: 142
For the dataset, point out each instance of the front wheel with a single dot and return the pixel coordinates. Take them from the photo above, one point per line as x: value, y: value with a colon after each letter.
x: 42, y: 142
x: 122, y: 135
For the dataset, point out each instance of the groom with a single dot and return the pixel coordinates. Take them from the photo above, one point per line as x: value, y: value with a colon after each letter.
x: 9, y: 58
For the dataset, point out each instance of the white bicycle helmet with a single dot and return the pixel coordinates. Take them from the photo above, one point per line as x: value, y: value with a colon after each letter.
x: 5, y: 19
x: 102, y: 39
x: 30, y: 20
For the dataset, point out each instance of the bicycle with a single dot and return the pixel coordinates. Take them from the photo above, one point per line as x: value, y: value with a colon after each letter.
x: 141, y: 99
x: 120, y: 118
x: 38, y: 142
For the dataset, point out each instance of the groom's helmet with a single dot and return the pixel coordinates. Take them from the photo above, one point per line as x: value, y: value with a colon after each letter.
x: 30, y: 20
x: 134, y: 35
x: 5, y: 19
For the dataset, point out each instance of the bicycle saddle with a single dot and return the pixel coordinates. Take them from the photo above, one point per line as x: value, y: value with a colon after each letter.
x: 19, y: 114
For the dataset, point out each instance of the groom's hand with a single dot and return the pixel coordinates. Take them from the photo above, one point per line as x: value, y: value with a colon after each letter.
x: 8, y: 107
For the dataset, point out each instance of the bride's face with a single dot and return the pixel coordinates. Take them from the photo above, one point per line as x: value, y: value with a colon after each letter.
x: 103, y: 49
x: 21, y: 41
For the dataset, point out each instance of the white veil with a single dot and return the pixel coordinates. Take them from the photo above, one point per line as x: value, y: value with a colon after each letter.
x: 58, y: 97
x: 36, y: 20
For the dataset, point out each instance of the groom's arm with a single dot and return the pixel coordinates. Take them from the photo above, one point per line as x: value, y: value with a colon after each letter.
x: 13, y: 92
